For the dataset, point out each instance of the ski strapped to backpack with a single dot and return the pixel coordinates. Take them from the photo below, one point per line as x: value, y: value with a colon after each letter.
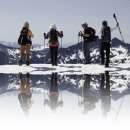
x: 106, y: 34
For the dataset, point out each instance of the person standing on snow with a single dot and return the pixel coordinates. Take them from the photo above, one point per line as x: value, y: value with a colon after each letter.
x: 53, y: 43
x: 25, y: 43
x: 105, y: 42
x: 88, y: 35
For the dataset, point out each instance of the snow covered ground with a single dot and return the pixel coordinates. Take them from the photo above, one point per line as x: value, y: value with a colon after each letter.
x: 66, y: 69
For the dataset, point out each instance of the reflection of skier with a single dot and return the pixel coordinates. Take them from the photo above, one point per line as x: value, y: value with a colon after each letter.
x: 53, y: 95
x: 89, y: 99
x: 25, y: 95
x: 105, y: 93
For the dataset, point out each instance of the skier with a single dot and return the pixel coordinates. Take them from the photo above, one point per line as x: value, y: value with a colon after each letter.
x: 105, y: 42
x: 25, y: 43
x: 25, y: 95
x: 53, y: 43
x: 88, y: 35
x: 53, y: 95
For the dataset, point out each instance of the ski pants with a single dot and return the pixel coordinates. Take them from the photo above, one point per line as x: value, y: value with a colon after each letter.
x: 86, y: 51
x: 23, y: 49
x: 105, y: 46
x: 54, y: 53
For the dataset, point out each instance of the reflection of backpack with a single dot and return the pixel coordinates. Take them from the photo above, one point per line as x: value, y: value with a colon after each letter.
x: 106, y: 34
x: 53, y: 36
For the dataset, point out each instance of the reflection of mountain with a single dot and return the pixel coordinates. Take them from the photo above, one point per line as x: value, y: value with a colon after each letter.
x: 119, y: 53
x: 119, y: 85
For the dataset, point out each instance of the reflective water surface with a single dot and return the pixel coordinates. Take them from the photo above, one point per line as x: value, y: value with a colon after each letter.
x: 61, y: 101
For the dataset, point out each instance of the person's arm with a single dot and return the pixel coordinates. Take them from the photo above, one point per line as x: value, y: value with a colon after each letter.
x: 98, y: 32
x: 86, y: 35
x: 30, y: 34
x: 112, y: 29
x: 46, y: 36
x: 60, y: 34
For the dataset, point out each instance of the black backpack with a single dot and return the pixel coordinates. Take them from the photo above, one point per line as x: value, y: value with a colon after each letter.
x: 106, y: 34
x: 92, y: 33
x: 23, y: 38
x: 53, y: 36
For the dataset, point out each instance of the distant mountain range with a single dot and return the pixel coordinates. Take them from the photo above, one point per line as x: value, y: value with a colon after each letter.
x: 120, y: 52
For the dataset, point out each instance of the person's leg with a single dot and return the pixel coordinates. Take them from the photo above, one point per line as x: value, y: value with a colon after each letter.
x: 52, y: 59
x: 102, y: 53
x: 22, y: 50
x: 27, y: 54
x: 86, y: 51
x: 55, y: 55
x: 107, y: 55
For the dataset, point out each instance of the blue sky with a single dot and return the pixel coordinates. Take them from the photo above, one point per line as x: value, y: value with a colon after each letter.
x: 66, y: 14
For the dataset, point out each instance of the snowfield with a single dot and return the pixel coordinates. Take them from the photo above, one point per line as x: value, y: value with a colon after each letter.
x: 66, y: 69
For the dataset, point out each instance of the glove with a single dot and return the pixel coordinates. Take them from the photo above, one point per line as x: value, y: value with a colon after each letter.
x: 61, y: 32
x: 80, y: 34
x: 44, y: 34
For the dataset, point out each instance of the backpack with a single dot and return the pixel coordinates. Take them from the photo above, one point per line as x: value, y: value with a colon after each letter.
x: 92, y: 33
x: 23, y: 38
x: 106, y: 34
x: 53, y: 36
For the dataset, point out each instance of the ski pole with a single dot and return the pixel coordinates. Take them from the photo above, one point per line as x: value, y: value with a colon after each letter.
x: 61, y: 32
x: 114, y: 15
x: 78, y: 43
x: 82, y: 44
x: 44, y: 46
x: 61, y: 42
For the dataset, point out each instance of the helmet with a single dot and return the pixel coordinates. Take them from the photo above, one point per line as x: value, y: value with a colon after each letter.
x: 104, y: 23
x: 84, y: 24
x: 53, y: 26
x: 26, y: 24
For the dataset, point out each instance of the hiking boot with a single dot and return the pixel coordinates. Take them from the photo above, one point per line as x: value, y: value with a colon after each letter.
x: 20, y: 62
x: 87, y: 63
x: 106, y: 65
x: 27, y: 63
x: 56, y: 64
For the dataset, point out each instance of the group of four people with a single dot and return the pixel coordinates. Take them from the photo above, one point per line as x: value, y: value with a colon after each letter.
x: 88, y: 35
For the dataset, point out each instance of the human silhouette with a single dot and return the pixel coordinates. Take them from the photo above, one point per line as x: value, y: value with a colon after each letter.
x: 89, y: 99
x: 105, y: 93
x: 88, y: 34
x: 25, y: 43
x: 53, y: 95
x: 25, y: 94
x: 105, y: 32
x: 53, y: 42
